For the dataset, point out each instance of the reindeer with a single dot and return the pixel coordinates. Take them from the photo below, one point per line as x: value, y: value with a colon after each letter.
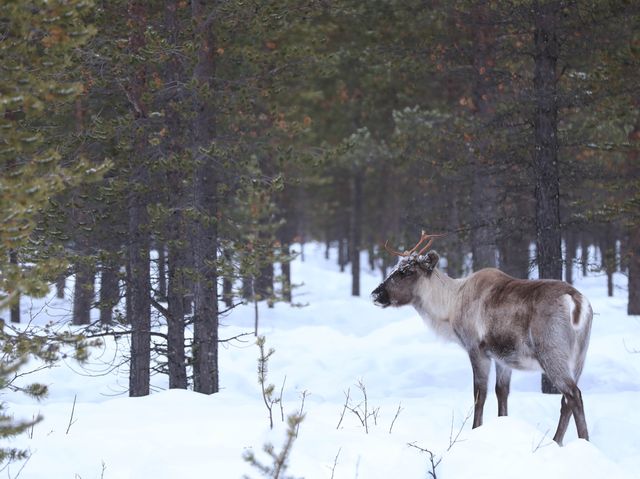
x: 520, y: 324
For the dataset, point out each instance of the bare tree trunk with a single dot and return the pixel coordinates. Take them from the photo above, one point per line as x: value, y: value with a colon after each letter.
x: 342, y: 253
x: 545, y: 157
x: 608, y: 256
x: 204, y: 236
x: 455, y: 258
x: 15, y: 303
x: 61, y: 283
x: 513, y: 242
x: 633, y: 243
x: 162, y: 270
x: 263, y: 283
x: 514, y: 255
x: 286, y: 271
x: 138, y: 246
x: 570, y: 255
x: 356, y: 229
x: 175, y: 305
x: 109, y: 290
x: 227, y: 282
x: 584, y: 255
x: 139, y: 292
x: 178, y: 258
x: 484, y: 185
x: 633, y: 258
x: 83, y: 292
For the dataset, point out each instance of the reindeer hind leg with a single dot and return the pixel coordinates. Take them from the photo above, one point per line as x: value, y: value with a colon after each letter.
x: 503, y: 380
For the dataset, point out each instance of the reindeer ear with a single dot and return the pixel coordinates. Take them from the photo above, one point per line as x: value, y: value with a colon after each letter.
x: 430, y: 260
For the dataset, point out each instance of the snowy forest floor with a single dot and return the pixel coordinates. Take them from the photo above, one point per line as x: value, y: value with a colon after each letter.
x: 324, y: 350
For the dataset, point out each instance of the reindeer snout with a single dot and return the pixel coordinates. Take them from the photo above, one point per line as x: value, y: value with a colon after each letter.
x: 380, y: 296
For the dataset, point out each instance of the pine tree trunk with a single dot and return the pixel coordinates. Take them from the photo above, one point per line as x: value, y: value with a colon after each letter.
x: 356, y: 229
x: 162, y: 271
x: 545, y: 157
x: 608, y: 257
x: 371, y: 255
x: 15, y: 303
x: 584, y: 255
x: 513, y: 242
x: 61, y: 283
x: 139, y: 293
x: 484, y: 187
x: 633, y: 258
x: 263, y: 283
x: 138, y: 245
x: 204, y: 235
x: 109, y: 291
x: 570, y: 255
x: 176, y: 357
x: 83, y: 292
x: 514, y: 254
x: 286, y: 272
x: 175, y: 229
x: 633, y: 242
x: 342, y: 253
x: 455, y: 257
x: 227, y: 282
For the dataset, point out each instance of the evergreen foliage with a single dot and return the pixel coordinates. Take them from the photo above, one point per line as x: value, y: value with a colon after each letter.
x: 234, y: 130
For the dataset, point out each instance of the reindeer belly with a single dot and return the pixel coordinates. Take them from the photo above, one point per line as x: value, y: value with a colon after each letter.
x: 510, y: 352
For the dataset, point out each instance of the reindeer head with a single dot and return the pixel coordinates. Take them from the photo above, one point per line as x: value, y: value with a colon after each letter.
x: 399, y: 287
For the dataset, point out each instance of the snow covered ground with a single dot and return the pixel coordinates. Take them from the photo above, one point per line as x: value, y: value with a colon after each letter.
x: 326, y: 349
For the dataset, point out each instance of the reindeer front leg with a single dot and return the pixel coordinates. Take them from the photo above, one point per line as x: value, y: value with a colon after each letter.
x: 481, y: 365
x: 503, y: 379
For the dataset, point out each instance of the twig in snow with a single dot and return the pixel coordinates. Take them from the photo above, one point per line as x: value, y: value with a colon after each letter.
x: 539, y: 445
x: 453, y: 440
x: 432, y: 459
x: 304, y: 395
x: 335, y: 463
x: 398, y: 411
x: 73, y: 410
x: 344, y: 409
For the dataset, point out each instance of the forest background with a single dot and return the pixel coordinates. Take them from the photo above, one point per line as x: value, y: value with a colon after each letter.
x: 168, y: 154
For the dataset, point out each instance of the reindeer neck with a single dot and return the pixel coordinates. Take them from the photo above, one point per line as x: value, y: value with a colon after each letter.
x: 436, y: 295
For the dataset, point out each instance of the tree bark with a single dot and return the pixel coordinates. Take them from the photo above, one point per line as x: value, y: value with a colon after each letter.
x: 571, y: 246
x: 484, y: 187
x: 633, y: 243
x: 176, y: 356
x: 342, y: 253
x: 513, y: 241
x: 162, y: 271
x: 109, y: 290
x: 15, y: 303
x: 176, y: 227
x: 584, y: 255
x: 545, y: 156
x: 608, y: 256
x: 356, y: 228
x: 138, y: 246
x: 83, y: 292
x: 139, y: 292
x: 633, y: 258
x: 263, y: 283
x: 61, y: 283
x: 204, y: 236
x: 285, y: 251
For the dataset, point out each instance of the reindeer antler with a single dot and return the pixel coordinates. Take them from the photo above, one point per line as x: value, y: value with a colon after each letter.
x: 423, y: 237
